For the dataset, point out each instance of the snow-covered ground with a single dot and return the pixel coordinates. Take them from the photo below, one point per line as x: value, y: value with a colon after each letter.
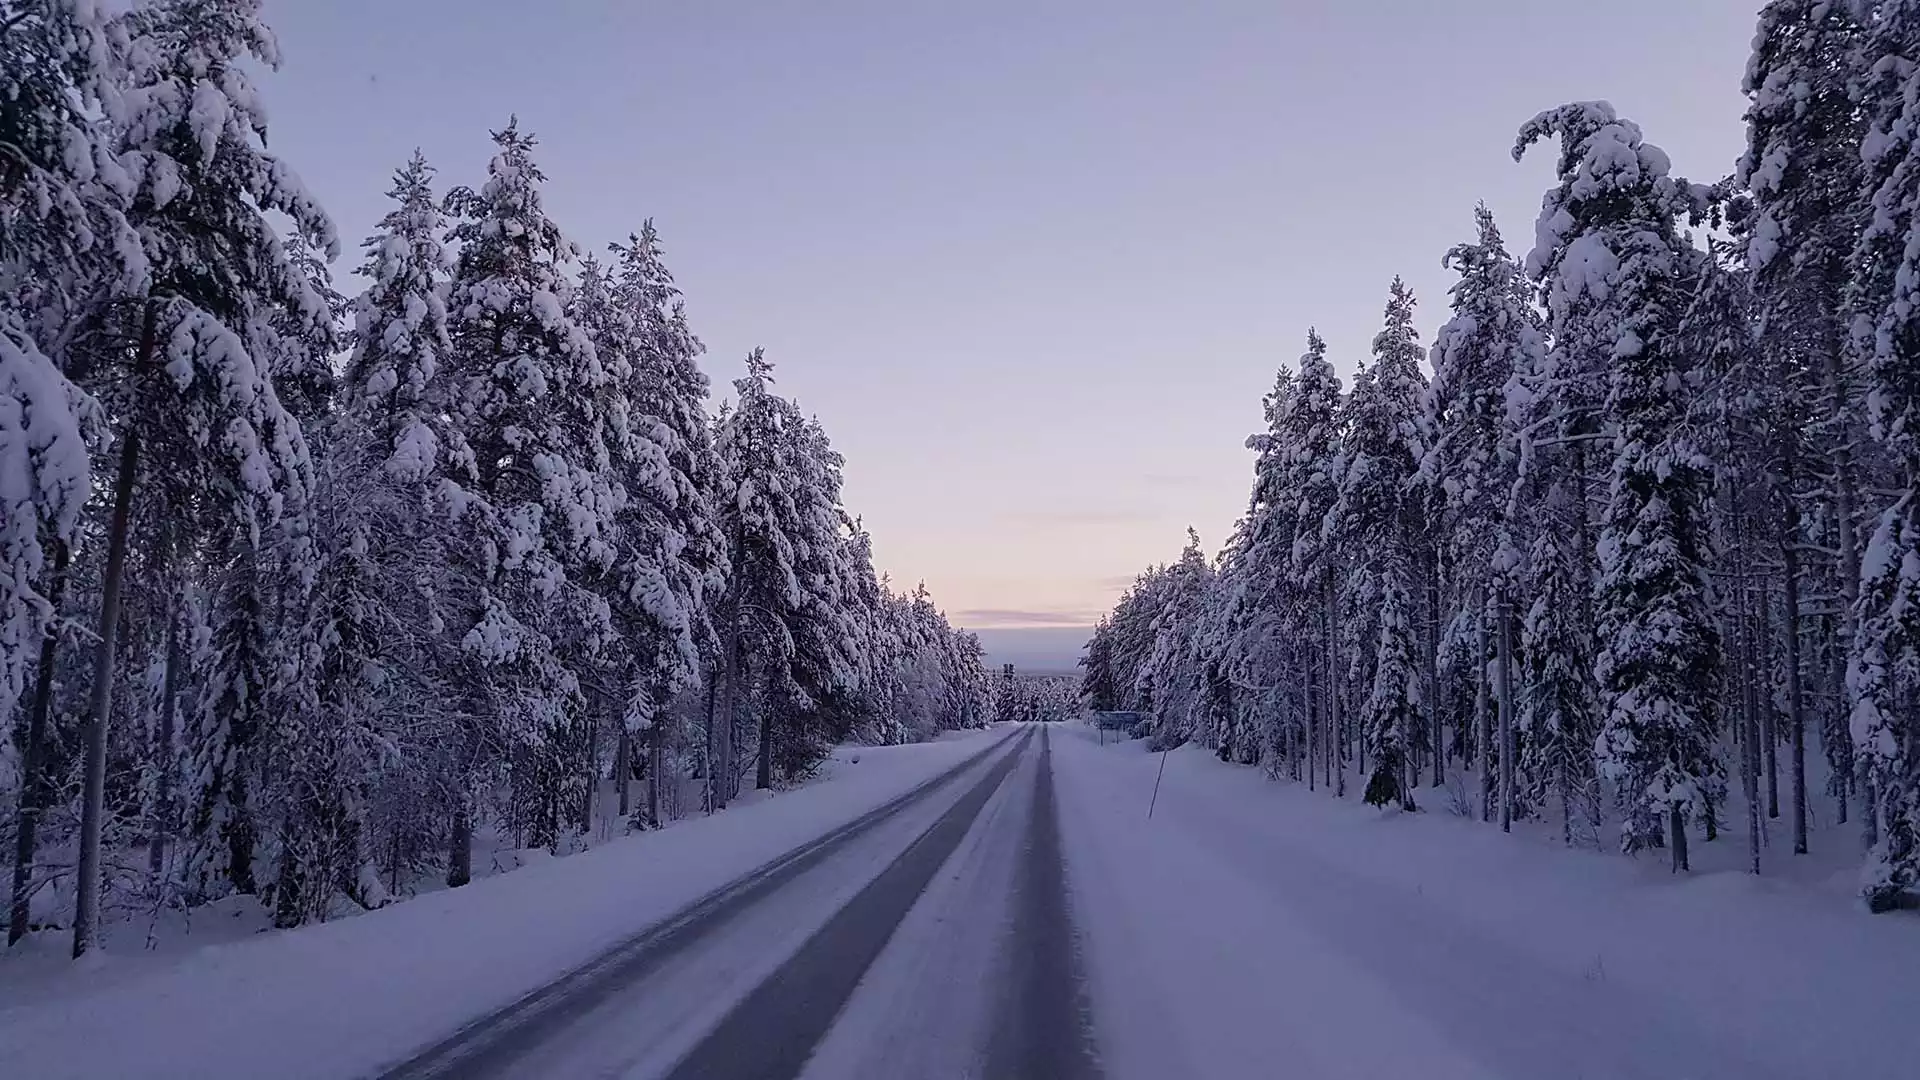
x: 1246, y: 929
x: 1252, y: 929
x: 340, y: 998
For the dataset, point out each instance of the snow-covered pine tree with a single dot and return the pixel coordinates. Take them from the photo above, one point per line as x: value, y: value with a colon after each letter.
x: 1617, y: 276
x: 302, y: 769
x: 1312, y: 455
x: 374, y: 701
x: 761, y: 510
x: 1379, y: 513
x: 801, y: 720
x: 1802, y: 171
x: 190, y: 133
x: 65, y: 246
x: 1745, y: 403
x: 1470, y: 464
x: 530, y: 401
x: 673, y: 564
x: 1171, y: 667
x: 1885, y: 342
x: 1227, y: 635
x: 1267, y: 601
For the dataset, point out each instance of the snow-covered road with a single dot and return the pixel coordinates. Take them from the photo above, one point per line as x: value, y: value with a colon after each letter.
x: 935, y: 943
x: 1019, y: 914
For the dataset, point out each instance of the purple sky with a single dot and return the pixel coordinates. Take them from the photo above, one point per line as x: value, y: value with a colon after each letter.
x: 1033, y: 264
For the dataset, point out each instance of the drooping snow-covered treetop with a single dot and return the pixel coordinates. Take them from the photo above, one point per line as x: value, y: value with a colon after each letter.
x: 1311, y: 452
x: 1802, y: 157
x: 1884, y: 295
x: 62, y: 190
x: 1397, y: 354
x: 511, y: 275
x: 45, y: 424
x: 1493, y: 333
x: 530, y: 395
x: 193, y: 133
x: 1272, y: 506
x: 400, y: 321
x: 1607, y: 171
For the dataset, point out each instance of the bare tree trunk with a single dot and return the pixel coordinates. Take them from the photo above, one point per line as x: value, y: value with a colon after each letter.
x: 1313, y: 724
x: 656, y: 767
x: 162, y: 823
x: 1849, y: 557
x: 1337, y: 739
x: 1869, y: 812
x: 1482, y: 736
x: 34, y: 783
x: 1837, y: 681
x: 1296, y: 733
x: 86, y: 913
x: 720, y: 770
x: 460, y: 842
x: 593, y: 774
x: 1796, y: 714
x: 460, y: 829
x: 1750, y: 718
x: 1506, y: 713
x: 1433, y: 670
x: 1677, y: 833
x: 1565, y: 784
x: 1769, y: 713
x: 763, y: 775
x: 623, y: 771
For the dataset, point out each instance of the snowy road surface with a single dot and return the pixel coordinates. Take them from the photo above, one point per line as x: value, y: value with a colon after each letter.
x: 928, y: 939
x: 1014, y: 912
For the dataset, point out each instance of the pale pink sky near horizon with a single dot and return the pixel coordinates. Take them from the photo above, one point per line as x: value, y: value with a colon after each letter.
x: 1032, y: 264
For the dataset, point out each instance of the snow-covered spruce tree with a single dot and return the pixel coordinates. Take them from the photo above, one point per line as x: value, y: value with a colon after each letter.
x: 1172, y: 672
x: 1117, y: 676
x: 1742, y: 403
x: 1802, y: 171
x: 1100, y: 685
x: 1470, y: 463
x: 539, y: 515
x: 274, y: 768
x: 807, y: 711
x: 373, y: 703
x: 767, y: 515
x: 1885, y: 341
x: 1225, y: 637
x: 1617, y: 275
x: 1379, y: 514
x: 1311, y: 441
x: 194, y: 405
x: 673, y: 560
x: 1266, y: 602
x: 65, y: 247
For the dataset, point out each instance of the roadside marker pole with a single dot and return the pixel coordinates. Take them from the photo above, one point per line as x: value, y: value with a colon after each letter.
x: 1151, y: 803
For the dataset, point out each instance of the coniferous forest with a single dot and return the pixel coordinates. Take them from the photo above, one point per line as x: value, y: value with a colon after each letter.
x: 321, y: 555
x: 1639, y: 526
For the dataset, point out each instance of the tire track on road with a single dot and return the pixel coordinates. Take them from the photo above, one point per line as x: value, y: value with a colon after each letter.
x: 774, y: 1029
x: 495, y: 1043
x: 1045, y: 1029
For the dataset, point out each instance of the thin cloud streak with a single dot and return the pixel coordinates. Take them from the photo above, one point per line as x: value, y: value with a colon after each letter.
x: 1005, y: 618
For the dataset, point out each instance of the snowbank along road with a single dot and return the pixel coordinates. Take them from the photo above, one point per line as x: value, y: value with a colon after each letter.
x: 929, y: 937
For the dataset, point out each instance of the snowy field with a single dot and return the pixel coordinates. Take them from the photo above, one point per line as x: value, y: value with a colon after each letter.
x: 339, y: 998
x: 1251, y: 929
